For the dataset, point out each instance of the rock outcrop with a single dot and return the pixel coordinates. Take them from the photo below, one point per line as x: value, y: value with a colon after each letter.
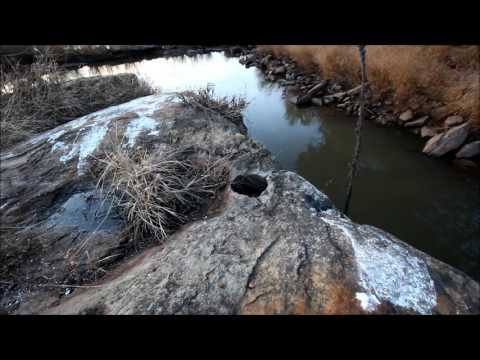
x: 280, y: 249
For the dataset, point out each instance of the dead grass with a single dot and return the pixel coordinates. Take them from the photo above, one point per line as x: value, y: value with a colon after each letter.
x: 158, y: 193
x: 415, y: 76
x: 35, y: 98
x: 205, y: 100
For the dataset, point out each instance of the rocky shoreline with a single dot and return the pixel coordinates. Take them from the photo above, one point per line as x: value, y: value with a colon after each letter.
x: 448, y: 135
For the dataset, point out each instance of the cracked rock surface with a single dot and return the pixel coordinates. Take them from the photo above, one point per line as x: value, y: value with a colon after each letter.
x: 287, y: 251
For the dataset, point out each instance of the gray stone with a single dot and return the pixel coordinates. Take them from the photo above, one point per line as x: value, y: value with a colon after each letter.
x: 287, y: 251
x: 428, y: 131
x: 417, y: 123
x: 443, y: 143
x: 465, y: 163
x: 313, y: 91
x: 406, y: 116
x: 454, y: 120
x: 293, y: 100
x: 469, y: 150
x: 439, y: 113
x: 318, y: 88
x: 279, y: 70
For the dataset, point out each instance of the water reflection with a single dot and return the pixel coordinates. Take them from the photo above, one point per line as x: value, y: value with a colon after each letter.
x: 422, y: 200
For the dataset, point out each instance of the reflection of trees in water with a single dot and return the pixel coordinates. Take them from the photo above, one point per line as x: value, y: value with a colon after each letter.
x: 263, y: 84
x: 327, y: 174
x: 193, y: 59
x: 110, y: 69
x: 305, y: 116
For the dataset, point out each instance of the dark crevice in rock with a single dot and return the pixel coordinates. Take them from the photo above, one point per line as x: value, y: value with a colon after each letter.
x: 303, y: 271
x: 251, y: 185
x: 258, y: 297
x: 253, y: 272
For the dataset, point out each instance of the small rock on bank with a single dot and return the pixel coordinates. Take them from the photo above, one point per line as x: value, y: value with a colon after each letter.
x: 406, y: 116
x: 419, y: 122
x: 469, y: 150
x: 454, y: 120
x: 443, y: 143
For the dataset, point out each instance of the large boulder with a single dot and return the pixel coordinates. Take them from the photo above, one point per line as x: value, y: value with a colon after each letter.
x: 279, y: 249
x: 443, y: 143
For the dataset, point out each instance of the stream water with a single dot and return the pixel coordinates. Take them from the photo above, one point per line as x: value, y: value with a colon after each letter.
x: 423, y: 201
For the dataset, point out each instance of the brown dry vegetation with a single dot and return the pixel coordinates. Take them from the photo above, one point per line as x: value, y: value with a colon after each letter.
x: 37, y: 97
x: 204, y: 99
x: 157, y: 193
x: 415, y: 76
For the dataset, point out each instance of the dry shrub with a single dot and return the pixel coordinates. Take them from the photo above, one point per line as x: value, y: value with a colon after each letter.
x: 416, y: 76
x: 205, y: 100
x: 158, y: 192
x: 37, y: 97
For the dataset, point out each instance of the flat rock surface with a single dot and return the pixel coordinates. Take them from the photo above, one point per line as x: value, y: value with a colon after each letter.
x: 287, y: 251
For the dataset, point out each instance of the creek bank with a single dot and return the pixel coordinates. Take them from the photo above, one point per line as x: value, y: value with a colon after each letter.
x: 75, y: 56
x: 306, y: 88
x: 46, y: 105
x: 279, y: 248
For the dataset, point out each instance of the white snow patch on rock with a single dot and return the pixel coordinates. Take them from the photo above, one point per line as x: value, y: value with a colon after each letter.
x: 55, y: 135
x: 137, y: 126
x: 387, y: 271
x: 89, y: 138
x: 367, y: 302
x: 90, y: 142
x: 58, y: 145
x: 70, y: 155
x: 6, y: 156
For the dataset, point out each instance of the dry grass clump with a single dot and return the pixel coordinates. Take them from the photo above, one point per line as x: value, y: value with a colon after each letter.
x: 416, y: 76
x: 205, y: 99
x: 157, y: 193
x: 37, y: 97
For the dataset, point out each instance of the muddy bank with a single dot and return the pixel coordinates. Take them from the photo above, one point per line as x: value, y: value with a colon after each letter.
x: 272, y: 244
x: 446, y: 134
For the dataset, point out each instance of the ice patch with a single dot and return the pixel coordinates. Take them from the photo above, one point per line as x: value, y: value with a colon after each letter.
x: 387, y: 271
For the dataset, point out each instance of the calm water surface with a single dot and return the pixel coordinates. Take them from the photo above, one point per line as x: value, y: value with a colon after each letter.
x: 423, y: 201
